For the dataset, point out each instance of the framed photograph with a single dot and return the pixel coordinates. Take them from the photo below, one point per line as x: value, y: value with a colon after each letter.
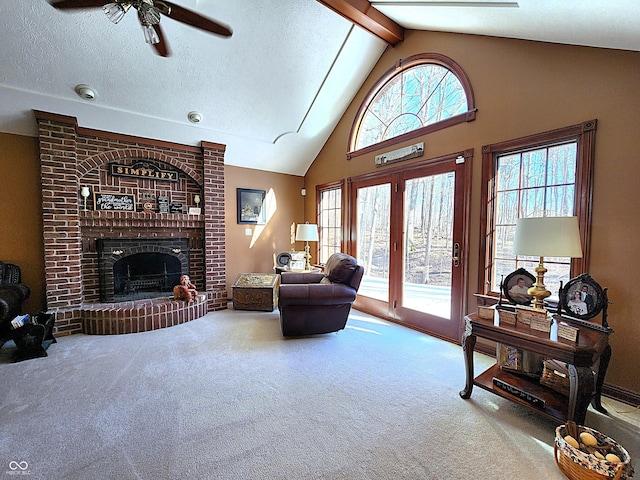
x: 515, y: 286
x: 582, y: 297
x: 251, y: 207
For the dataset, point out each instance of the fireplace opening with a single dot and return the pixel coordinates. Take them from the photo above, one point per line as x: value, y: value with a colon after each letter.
x: 145, y: 275
x: 136, y: 269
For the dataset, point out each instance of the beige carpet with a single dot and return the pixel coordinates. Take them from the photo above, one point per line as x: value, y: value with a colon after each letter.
x: 226, y: 397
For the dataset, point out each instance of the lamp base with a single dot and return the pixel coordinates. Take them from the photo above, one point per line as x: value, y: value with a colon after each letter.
x: 307, y: 256
x: 538, y: 291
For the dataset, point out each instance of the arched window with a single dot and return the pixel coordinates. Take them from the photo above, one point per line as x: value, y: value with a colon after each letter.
x: 420, y: 94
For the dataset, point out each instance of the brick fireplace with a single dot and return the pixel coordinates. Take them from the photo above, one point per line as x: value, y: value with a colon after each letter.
x: 83, y: 244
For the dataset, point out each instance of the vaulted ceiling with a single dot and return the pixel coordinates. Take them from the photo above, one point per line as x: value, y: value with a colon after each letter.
x: 274, y: 90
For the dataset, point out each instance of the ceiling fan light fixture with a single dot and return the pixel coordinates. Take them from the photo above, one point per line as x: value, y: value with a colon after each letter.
x: 115, y: 11
x: 194, y: 117
x: 85, y: 92
x: 150, y: 35
x: 148, y: 14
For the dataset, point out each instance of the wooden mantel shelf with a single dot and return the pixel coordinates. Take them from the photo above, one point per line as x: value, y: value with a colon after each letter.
x: 122, y: 219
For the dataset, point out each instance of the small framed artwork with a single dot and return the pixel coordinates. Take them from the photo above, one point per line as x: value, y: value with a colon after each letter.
x: 515, y: 286
x: 582, y: 297
x: 251, y: 208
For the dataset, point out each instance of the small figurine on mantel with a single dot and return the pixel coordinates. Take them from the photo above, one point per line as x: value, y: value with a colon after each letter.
x: 186, y: 290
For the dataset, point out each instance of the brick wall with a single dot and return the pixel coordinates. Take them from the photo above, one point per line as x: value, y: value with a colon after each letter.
x: 73, y: 157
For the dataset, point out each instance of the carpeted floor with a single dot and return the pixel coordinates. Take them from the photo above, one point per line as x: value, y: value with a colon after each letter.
x: 226, y: 397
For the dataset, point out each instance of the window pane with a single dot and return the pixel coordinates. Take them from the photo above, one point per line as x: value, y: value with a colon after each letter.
x: 562, y: 164
x: 560, y: 201
x: 532, y: 204
x: 418, y: 96
x: 428, y: 242
x: 532, y: 183
x: 508, y: 211
x: 501, y: 270
x: 373, y: 212
x: 329, y: 221
x: 534, y: 168
x: 504, y: 241
x: 508, y: 175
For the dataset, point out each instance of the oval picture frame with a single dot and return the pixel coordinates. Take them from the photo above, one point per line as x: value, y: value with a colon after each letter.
x: 283, y: 259
x: 582, y: 297
x: 510, y: 286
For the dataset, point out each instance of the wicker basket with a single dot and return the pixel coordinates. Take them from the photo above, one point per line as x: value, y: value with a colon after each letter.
x: 578, y: 465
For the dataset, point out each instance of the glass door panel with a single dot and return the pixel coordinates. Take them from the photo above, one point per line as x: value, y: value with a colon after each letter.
x: 408, y: 230
x: 373, y: 209
x: 428, y: 243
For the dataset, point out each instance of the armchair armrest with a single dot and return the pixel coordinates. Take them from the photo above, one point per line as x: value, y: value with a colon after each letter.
x: 315, y: 294
x: 301, y: 277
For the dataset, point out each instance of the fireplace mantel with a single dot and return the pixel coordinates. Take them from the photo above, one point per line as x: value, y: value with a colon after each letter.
x: 142, y: 220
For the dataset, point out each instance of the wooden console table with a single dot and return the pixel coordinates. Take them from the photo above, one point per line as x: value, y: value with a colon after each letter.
x: 591, y: 354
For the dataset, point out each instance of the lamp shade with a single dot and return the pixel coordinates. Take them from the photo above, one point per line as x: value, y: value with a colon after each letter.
x: 307, y: 232
x: 548, y: 237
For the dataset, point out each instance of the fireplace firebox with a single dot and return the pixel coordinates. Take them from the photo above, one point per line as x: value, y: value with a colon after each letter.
x: 135, y: 269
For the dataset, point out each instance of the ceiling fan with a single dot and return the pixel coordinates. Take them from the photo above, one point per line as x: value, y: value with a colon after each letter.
x: 149, y: 14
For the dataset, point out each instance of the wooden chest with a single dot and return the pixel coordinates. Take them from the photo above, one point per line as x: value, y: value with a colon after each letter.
x: 256, y: 291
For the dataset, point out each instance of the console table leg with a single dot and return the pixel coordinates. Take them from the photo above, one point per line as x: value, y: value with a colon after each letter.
x: 580, y: 391
x: 468, y: 344
x: 596, y: 401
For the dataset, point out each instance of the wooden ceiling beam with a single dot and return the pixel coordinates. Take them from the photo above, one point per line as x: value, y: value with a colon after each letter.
x: 363, y: 14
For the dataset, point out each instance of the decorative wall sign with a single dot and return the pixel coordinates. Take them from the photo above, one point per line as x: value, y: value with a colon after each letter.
x: 144, y: 170
x: 114, y: 201
x: 163, y: 204
x: 176, y: 207
x: 251, y: 207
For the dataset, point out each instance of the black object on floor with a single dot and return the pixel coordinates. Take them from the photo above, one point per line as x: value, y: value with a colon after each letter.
x: 34, y: 337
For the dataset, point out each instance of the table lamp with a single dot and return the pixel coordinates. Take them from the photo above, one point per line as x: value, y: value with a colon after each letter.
x: 546, y: 237
x: 307, y: 232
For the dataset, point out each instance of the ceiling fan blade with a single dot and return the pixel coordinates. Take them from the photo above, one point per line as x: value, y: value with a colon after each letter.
x: 73, y: 4
x: 196, y: 20
x: 162, y: 47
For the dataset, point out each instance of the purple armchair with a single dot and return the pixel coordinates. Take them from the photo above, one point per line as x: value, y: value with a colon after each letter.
x: 317, y: 302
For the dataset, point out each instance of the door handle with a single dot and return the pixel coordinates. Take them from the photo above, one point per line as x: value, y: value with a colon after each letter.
x: 456, y: 254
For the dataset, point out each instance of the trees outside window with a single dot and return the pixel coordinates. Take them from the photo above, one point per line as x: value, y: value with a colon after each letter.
x: 329, y: 220
x: 548, y: 174
x: 420, y: 94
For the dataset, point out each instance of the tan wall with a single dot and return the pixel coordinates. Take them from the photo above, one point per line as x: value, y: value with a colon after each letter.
x: 254, y: 253
x: 522, y: 88
x: 21, y: 214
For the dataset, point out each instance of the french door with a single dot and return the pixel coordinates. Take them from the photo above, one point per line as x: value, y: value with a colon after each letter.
x: 409, y: 232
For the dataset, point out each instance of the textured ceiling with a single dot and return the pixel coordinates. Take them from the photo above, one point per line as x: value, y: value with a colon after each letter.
x: 272, y: 93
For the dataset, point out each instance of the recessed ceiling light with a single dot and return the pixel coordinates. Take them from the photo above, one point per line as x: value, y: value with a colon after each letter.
x: 194, y: 117
x: 85, y: 92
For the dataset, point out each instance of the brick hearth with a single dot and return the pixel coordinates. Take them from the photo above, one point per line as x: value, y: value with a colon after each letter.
x: 73, y: 157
